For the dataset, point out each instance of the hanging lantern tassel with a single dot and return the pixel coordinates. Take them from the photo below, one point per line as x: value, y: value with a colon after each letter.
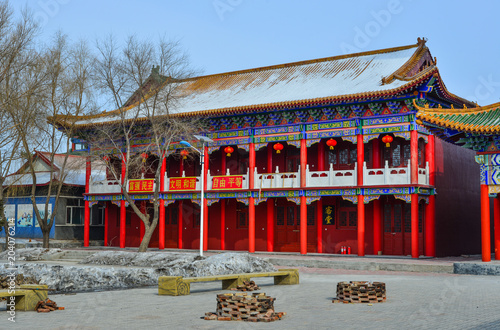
x: 331, y: 143
x: 228, y: 150
x: 278, y: 147
x: 387, y: 139
x: 184, y: 154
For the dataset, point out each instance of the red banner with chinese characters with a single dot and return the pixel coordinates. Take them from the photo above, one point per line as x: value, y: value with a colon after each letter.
x: 144, y: 185
x: 188, y: 183
x: 227, y: 182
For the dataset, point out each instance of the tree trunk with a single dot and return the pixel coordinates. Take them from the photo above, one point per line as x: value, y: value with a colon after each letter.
x: 46, y: 238
x: 147, y: 237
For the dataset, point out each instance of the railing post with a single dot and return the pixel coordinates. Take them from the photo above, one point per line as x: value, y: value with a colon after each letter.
x: 330, y: 174
x: 386, y: 172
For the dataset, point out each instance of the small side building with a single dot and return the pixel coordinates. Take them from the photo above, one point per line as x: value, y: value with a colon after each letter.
x: 70, y: 209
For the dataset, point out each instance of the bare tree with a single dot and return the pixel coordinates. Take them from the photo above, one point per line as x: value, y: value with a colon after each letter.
x: 145, y: 100
x: 57, y: 84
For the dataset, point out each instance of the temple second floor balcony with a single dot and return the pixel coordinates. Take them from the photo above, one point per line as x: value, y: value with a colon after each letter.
x: 332, y: 178
x: 393, y: 175
x: 386, y: 176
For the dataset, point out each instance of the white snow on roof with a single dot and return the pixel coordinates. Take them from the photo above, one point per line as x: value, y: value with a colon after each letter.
x: 312, y: 80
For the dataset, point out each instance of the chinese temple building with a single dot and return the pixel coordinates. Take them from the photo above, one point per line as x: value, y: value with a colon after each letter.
x: 311, y: 156
x: 478, y: 129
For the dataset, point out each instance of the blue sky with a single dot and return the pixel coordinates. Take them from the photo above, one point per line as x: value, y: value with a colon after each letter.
x: 228, y: 35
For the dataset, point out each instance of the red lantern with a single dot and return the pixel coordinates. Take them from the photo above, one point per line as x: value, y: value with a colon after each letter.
x: 387, y: 139
x: 184, y: 154
x: 228, y: 150
x: 331, y: 143
x: 278, y: 147
x: 144, y: 156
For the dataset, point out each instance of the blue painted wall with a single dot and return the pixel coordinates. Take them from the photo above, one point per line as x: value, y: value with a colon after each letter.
x: 25, y: 226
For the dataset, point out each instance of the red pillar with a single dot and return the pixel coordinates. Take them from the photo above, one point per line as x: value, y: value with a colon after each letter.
x: 496, y: 221
x: 303, y: 163
x: 414, y: 226
x: 303, y: 225
x: 122, y: 205
x: 142, y: 228
x: 360, y: 158
x: 161, y: 222
x: 106, y: 222
x: 376, y: 162
x: 122, y: 223
x: 485, y: 224
x: 319, y: 210
x: 270, y: 224
x: 319, y: 226
x: 180, y: 225
x: 269, y: 158
x: 377, y: 227
x: 430, y: 209
x: 251, y: 164
x: 223, y: 224
x: 205, y: 205
x: 414, y: 156
x: 86, y: 229
x: 361, y: 225
x: 321, y: 156
x: 251, y: 225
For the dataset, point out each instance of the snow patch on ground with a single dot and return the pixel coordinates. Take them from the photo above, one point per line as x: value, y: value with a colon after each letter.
x: 32, y: 254
x: 132, y: 270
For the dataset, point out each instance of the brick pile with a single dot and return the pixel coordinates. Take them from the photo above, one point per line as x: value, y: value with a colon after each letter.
x: 256, y: 307
x: 46, y: 306
x: 247, y: 286
x: 360, y: 292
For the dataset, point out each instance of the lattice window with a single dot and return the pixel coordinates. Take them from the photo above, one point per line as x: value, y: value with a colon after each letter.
x: 398, y: 217
x: 290, y: 216
x: 311, y: 215
x: 387, y: 218
x: 407, y: 223
x: 280, y: 215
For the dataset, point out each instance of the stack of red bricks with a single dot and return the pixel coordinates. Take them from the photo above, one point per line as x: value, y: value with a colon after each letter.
x: 247, y: 286
x: 46, y: 306
x: 256, y: 307
x: 360, y: 292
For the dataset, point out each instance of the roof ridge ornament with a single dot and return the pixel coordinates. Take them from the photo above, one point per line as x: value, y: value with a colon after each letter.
x: 421, y: 41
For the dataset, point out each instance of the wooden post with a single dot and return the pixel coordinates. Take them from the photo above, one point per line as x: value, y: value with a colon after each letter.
x: 303, y: 225
x: 496, y: 221
x: 414, y: 156
x: 414, y: 226
x: 269, y: 158
x: 319, y: 226
x: 303, y: 162
x: 123, y: 217
x: 377, y: 227
x: 430, y: 209
x: 223, y: 224
x: 485, y: 224
x: 361, y: 225
x: 251, y: 164
x: 270, y: 224
x: 142, y: 227
x: 205, y: 202
x: 161, y: 207
x: 360, y: 158
x: 376, y: 159
x: 106, y: 222
x: 86, y: 228
x: 251, y: 225
x: 180, y: 226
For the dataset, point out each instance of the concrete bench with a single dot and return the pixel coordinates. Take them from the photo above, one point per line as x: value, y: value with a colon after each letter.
x: 26, y: 296
x: 181, y: 286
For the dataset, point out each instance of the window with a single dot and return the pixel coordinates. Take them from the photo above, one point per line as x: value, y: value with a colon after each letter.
x: 242, y: 217
x: 97, y: 215
x: 311, y: 215
x: 398, y: 154
x: 75, y: 208
x: 343, y: 157
x: 348, y: 216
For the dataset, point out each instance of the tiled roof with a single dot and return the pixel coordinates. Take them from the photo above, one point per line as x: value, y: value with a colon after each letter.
x: 341, y: 78
x: 483, y: 120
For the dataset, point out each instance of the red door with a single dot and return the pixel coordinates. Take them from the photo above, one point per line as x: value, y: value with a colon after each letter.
x: 393, y: 235
x: 171, y: 226
x: 287, y: 228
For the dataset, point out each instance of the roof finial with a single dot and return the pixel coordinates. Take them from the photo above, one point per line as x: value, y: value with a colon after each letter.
x: 421, y: 41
